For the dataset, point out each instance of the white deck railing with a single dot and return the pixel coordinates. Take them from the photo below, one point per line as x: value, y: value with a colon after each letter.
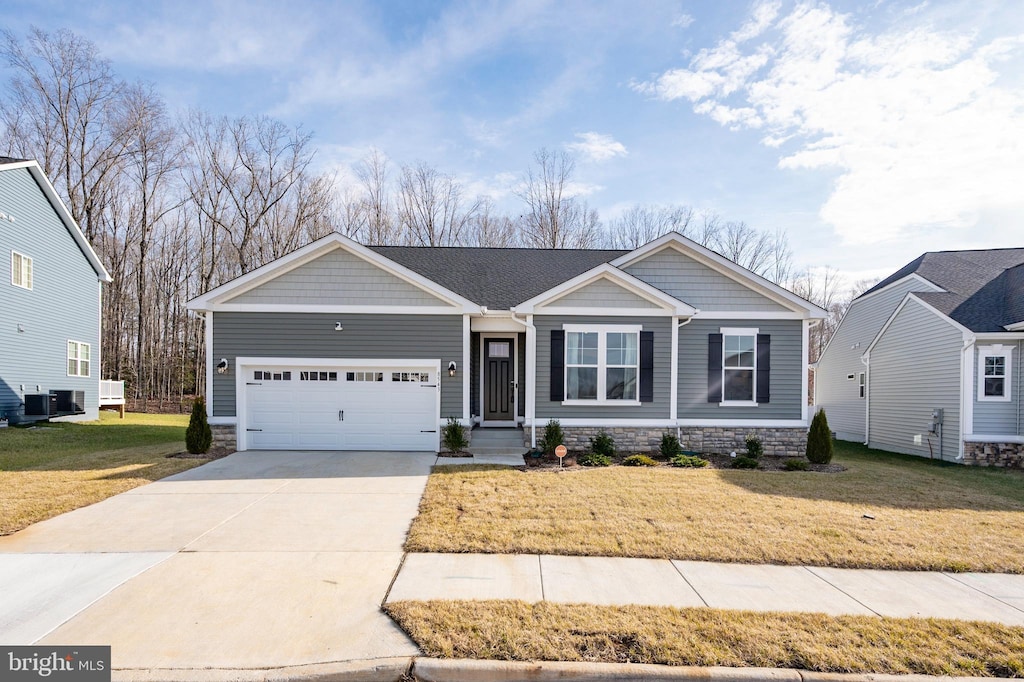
x: 111, y: 392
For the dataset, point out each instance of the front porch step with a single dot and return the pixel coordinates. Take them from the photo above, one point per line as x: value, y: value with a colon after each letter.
x: 485, y: 451
x: 497, y: 437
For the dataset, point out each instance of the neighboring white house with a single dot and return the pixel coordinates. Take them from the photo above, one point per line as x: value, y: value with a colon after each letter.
x: 928, y: 361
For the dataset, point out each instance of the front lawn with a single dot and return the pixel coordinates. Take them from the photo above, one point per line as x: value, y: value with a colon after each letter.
x: 518, y: 631
x: 54, y: 468
x: 926, y: 515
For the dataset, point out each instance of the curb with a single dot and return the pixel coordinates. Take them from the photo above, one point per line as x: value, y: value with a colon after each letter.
x: 376, y: 670
x: 470, y: 670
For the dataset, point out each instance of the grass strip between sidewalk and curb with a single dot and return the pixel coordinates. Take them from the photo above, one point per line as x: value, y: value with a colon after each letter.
x: 519, y: 631
x: 885, y: 511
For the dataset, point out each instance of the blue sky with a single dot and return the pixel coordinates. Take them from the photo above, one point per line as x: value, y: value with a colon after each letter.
x: 869, y: 131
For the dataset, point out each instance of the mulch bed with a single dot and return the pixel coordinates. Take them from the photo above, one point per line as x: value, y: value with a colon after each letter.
x: 550, y: 462
x: 213, y: 453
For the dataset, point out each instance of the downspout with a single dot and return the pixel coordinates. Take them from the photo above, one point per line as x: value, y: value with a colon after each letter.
x: 531, y: 375
x: 675, y: 369
x: 866, y: 361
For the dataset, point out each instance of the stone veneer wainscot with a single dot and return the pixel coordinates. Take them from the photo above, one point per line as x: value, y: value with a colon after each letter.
x: 778, y: 442
x: 1009, y: 455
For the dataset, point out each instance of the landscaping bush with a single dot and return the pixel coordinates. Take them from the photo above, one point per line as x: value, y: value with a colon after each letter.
x: 603, y: 444
x: 454, y: 436
x: 819, y: 440
x: 593, y: 459
x: 690, y: 461
x: 754, y: 447
x: 744, y: 463
x: 198, y: 436
x: 553, y: 437
x: 796, y: 465
x: 639, y: 461
x: 670, y: 446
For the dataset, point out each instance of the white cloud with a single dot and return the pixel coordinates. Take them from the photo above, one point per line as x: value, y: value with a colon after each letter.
x: 924, y: 129
x: 597, y: 147
x: 683, y: 21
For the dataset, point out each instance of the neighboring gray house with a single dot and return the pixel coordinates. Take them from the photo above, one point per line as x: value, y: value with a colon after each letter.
x: 50, y: 310
x: 943, y: 333
x: 343, y: 346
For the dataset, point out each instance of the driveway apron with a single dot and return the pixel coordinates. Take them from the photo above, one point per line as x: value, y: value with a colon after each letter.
x: 258, y: 560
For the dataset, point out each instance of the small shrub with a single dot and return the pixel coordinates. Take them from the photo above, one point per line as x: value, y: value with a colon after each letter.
x: 639, y: 461
x: 553, y: 437
x: 754, y: 447
x: 796, y: 465
x: 454, y: 436
x: 744, y: 463
x: 593, y: 459
x: 670, y: 446
x: 603, y: 444
x: 819, y: 440
x: 198, y: 435
x: 690, y: 461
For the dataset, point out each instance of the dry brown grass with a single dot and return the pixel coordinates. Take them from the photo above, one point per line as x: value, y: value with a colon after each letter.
x: 518, y: 631
x: 927, y: 516
x: 51, y: 470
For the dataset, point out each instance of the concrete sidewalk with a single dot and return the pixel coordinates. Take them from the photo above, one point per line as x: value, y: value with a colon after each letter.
x: 660, y: 582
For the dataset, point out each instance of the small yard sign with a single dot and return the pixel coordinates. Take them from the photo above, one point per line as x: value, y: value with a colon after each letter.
x: 560, y: 452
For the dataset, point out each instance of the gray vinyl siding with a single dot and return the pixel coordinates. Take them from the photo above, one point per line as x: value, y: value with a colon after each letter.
x: 64, y: 303
x: 338, y: 278
x: 309, y: 335
x: 993, y: 417
x: 521, y: 373
x: 602, y: 294
x: 837, y: 395
x: 697, y: 284
x: 915, y: 367
x: 787, y: 362
x: 658, y: 409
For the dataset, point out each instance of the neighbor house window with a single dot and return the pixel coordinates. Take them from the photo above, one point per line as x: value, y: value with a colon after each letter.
x: 21, y: 270
x: 861, y: 385
x: 602, y: 364
x: 739, y: 365
x: 994, y: 373
x: 79, y: 359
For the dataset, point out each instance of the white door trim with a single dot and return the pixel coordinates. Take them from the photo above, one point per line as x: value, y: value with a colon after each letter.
x: 505, y: 336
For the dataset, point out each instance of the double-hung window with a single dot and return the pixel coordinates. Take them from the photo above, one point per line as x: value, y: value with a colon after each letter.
x: 79, y: 359
x: 994, y: 364
x: 21, y: 270
x: 739, y: 365
x: 602, y: 364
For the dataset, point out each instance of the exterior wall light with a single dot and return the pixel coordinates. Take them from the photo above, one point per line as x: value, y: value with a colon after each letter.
x: 338, y: 327
x: 451, y: 368
x: 222, y: 366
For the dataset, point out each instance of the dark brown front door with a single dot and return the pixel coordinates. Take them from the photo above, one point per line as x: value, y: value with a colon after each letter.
x: 499, y: 384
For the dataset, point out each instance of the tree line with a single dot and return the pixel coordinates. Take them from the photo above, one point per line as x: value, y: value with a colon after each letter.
x: 178, y: 203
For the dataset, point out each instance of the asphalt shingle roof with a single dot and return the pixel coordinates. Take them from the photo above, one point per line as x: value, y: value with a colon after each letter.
x: 497, y: 278
x: 10, y: 159
x: 984, y: 289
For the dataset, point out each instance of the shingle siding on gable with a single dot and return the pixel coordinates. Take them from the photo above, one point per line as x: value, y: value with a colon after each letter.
x: 787, y: 360
x: 838, y: 395
x: 602, y: 294
x: 700, y: 286
x: 338, y: 278
x: 993, y: 417
x: 915, y: 368
x: 64, y: 302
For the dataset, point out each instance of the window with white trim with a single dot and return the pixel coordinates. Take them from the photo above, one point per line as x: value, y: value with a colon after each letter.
x: 994, y: 364
x: 21, y: 270
x: 739, y: 365
x: 602, y: 365
x: 79, y: 359
x: 861, y: 384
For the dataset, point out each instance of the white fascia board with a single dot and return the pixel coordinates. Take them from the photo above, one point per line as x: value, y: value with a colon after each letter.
x: 999, y: 336
x: 1015, y: 327
x: 746, y: 315
x: 723, y: 265
x: 573, y: 311
x: 64, y: 214
x: 670, y: 304
x: 967, y: 333
x: 310, y: 252
x: 334, y: 309
x: 496, y: 323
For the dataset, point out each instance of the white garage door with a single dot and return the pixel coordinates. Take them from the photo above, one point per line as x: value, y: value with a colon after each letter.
x: 340, y: 408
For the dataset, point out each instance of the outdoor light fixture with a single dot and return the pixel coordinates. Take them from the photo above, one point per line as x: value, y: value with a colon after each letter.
x: 451, y: 368
x: 338, y: 327
x: 222, y: 366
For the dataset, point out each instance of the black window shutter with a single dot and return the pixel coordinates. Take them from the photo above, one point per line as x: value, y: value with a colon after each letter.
x: 714, y: 368
x: 557, y: 365
x: 764, y: 367
x: 647, y: 367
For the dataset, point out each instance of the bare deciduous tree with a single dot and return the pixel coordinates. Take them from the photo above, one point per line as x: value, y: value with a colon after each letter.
x: 380, y: 226
x: 431, y: 208
x: 554, y: 219
x: 488, y: 228
x: 639, y: 224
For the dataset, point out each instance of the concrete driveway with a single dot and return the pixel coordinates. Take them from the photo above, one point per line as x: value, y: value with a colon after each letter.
x: 259, y: 560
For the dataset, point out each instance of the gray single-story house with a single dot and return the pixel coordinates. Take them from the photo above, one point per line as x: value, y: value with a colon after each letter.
x: 343, y: 346
x: 50, y: 309
x: 928, y: 361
